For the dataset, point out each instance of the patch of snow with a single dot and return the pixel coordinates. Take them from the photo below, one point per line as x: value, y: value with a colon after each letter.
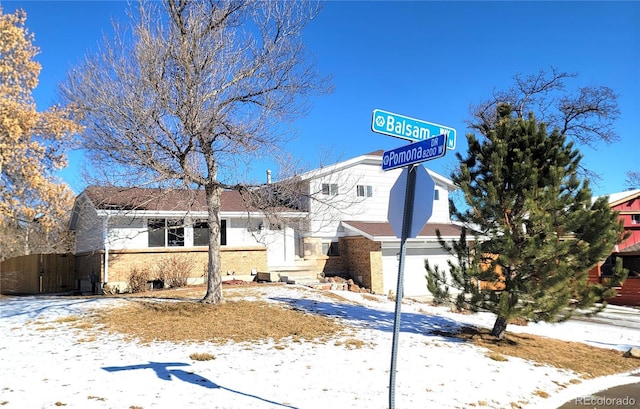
x: 44, y: 363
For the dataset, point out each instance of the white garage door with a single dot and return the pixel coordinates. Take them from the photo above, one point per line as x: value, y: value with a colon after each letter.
x: 415, y: 281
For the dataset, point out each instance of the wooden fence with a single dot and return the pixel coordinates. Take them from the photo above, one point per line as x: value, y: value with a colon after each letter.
x: 629, y: 293
x: 38, y: 273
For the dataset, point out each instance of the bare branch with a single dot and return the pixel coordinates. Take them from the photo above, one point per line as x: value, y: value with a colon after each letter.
x: 587, y: 115
x: 194, y: 89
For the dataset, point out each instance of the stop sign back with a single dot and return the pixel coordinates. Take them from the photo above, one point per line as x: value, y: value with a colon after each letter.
x: 422, y: 203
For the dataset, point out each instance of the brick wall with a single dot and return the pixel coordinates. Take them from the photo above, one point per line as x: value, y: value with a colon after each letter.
x: 362, y: 259
x: 240, y: 260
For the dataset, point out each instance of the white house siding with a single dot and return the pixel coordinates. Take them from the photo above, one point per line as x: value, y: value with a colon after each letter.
x: 127, y: 233
x: 132, y: 233
x: 281, y: 247
x: 348, y: 206
x: 414, y: 277
x: 89, y: 229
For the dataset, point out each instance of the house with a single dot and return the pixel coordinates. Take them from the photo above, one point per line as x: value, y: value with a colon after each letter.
x: 121, y: 230
x: 348, y: 231
x: 339, y: 228
x: 627, y: 204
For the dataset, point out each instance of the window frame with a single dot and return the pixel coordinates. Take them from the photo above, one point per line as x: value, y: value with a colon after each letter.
x: 331, y: 248
x: 223, y: 232
x: 171, y: 230
x: 329, y: 189
x: 364, y: 191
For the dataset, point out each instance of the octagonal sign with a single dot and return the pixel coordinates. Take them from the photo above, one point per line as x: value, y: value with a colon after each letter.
x: 422, y: 203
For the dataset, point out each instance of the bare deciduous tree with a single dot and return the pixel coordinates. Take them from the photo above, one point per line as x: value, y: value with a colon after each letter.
x: 192, y: 93
x: 585, y: 115
x: 633, y: 180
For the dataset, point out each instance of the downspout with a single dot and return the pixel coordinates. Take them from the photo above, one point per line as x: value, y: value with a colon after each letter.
x: 106, y: 253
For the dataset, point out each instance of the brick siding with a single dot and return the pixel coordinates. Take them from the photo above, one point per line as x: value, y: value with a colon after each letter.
x: 362, y: 259
x: 239, y: 260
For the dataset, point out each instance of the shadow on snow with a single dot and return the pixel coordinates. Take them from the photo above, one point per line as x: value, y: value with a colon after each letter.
x: 366, y: 317
x: 164, y: 372
x: 32, y: 306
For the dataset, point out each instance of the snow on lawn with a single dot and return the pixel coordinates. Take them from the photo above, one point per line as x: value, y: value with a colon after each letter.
x: 45, y: 365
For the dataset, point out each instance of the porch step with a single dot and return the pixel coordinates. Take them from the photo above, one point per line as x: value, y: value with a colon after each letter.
x: 296, y: 277
x: 299, y: 273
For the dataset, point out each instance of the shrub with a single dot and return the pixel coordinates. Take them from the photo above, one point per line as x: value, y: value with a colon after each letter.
x: 202, y: 356
x: 138, y: 279
x: 175, y: 270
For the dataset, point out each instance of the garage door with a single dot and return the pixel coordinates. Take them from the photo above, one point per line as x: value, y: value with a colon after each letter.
x: 415, y: 281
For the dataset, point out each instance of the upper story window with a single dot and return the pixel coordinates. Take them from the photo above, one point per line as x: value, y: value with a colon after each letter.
x: 365, y: 190
x: 436, y: 195
x: 166, y: 232
x: 635, y: 219
x: 330, y: 189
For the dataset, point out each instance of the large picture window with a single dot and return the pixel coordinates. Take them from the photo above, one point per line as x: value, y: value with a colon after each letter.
x: 156, y: 232
x: 166, y: 232
x: 201, y: 233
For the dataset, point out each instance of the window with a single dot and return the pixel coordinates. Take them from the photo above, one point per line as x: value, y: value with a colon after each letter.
x: 201, y: 233
x: 365, y: 190
x: 156, y: 232
x: 223, y: 232
x: 175, y: 233
x: 436, y: 195
x: 166, y: 232
x: 635, y: 219
x: 329, y: 189
x: 330, y: 249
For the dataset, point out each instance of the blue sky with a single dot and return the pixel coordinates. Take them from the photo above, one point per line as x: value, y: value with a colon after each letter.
x: 424, y: 59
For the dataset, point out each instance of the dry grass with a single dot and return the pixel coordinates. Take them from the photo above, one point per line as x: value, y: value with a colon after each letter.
x: 233, y: 320
x: 202, y: 356
x: 586, y: 360
x: 177, y: 316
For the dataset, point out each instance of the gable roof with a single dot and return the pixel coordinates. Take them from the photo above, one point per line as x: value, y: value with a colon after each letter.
x: 633, y: 250
x: 372, y: 158
x: 135, y: 198
x: 169, y: 200
x: 379, y: 231
x: 618, y: 198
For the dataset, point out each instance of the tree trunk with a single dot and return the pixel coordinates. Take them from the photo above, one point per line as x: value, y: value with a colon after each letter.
x: 499, y: 327
x: 214, y: 278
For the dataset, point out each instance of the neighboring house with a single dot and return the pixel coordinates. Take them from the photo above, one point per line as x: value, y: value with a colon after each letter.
x: 627, y: 204
x: 339, y: 228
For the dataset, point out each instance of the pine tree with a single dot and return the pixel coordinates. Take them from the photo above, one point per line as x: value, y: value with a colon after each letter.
x: 541, y: 230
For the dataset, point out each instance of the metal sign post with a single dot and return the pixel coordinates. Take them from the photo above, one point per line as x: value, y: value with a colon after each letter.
x: 430, y: 144
x: 406, y: 225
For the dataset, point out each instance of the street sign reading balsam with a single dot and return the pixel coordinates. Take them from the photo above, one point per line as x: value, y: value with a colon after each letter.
x: 408, y: 128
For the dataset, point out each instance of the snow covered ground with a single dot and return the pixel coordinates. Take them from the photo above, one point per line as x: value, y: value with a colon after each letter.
x: 43, y: 364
